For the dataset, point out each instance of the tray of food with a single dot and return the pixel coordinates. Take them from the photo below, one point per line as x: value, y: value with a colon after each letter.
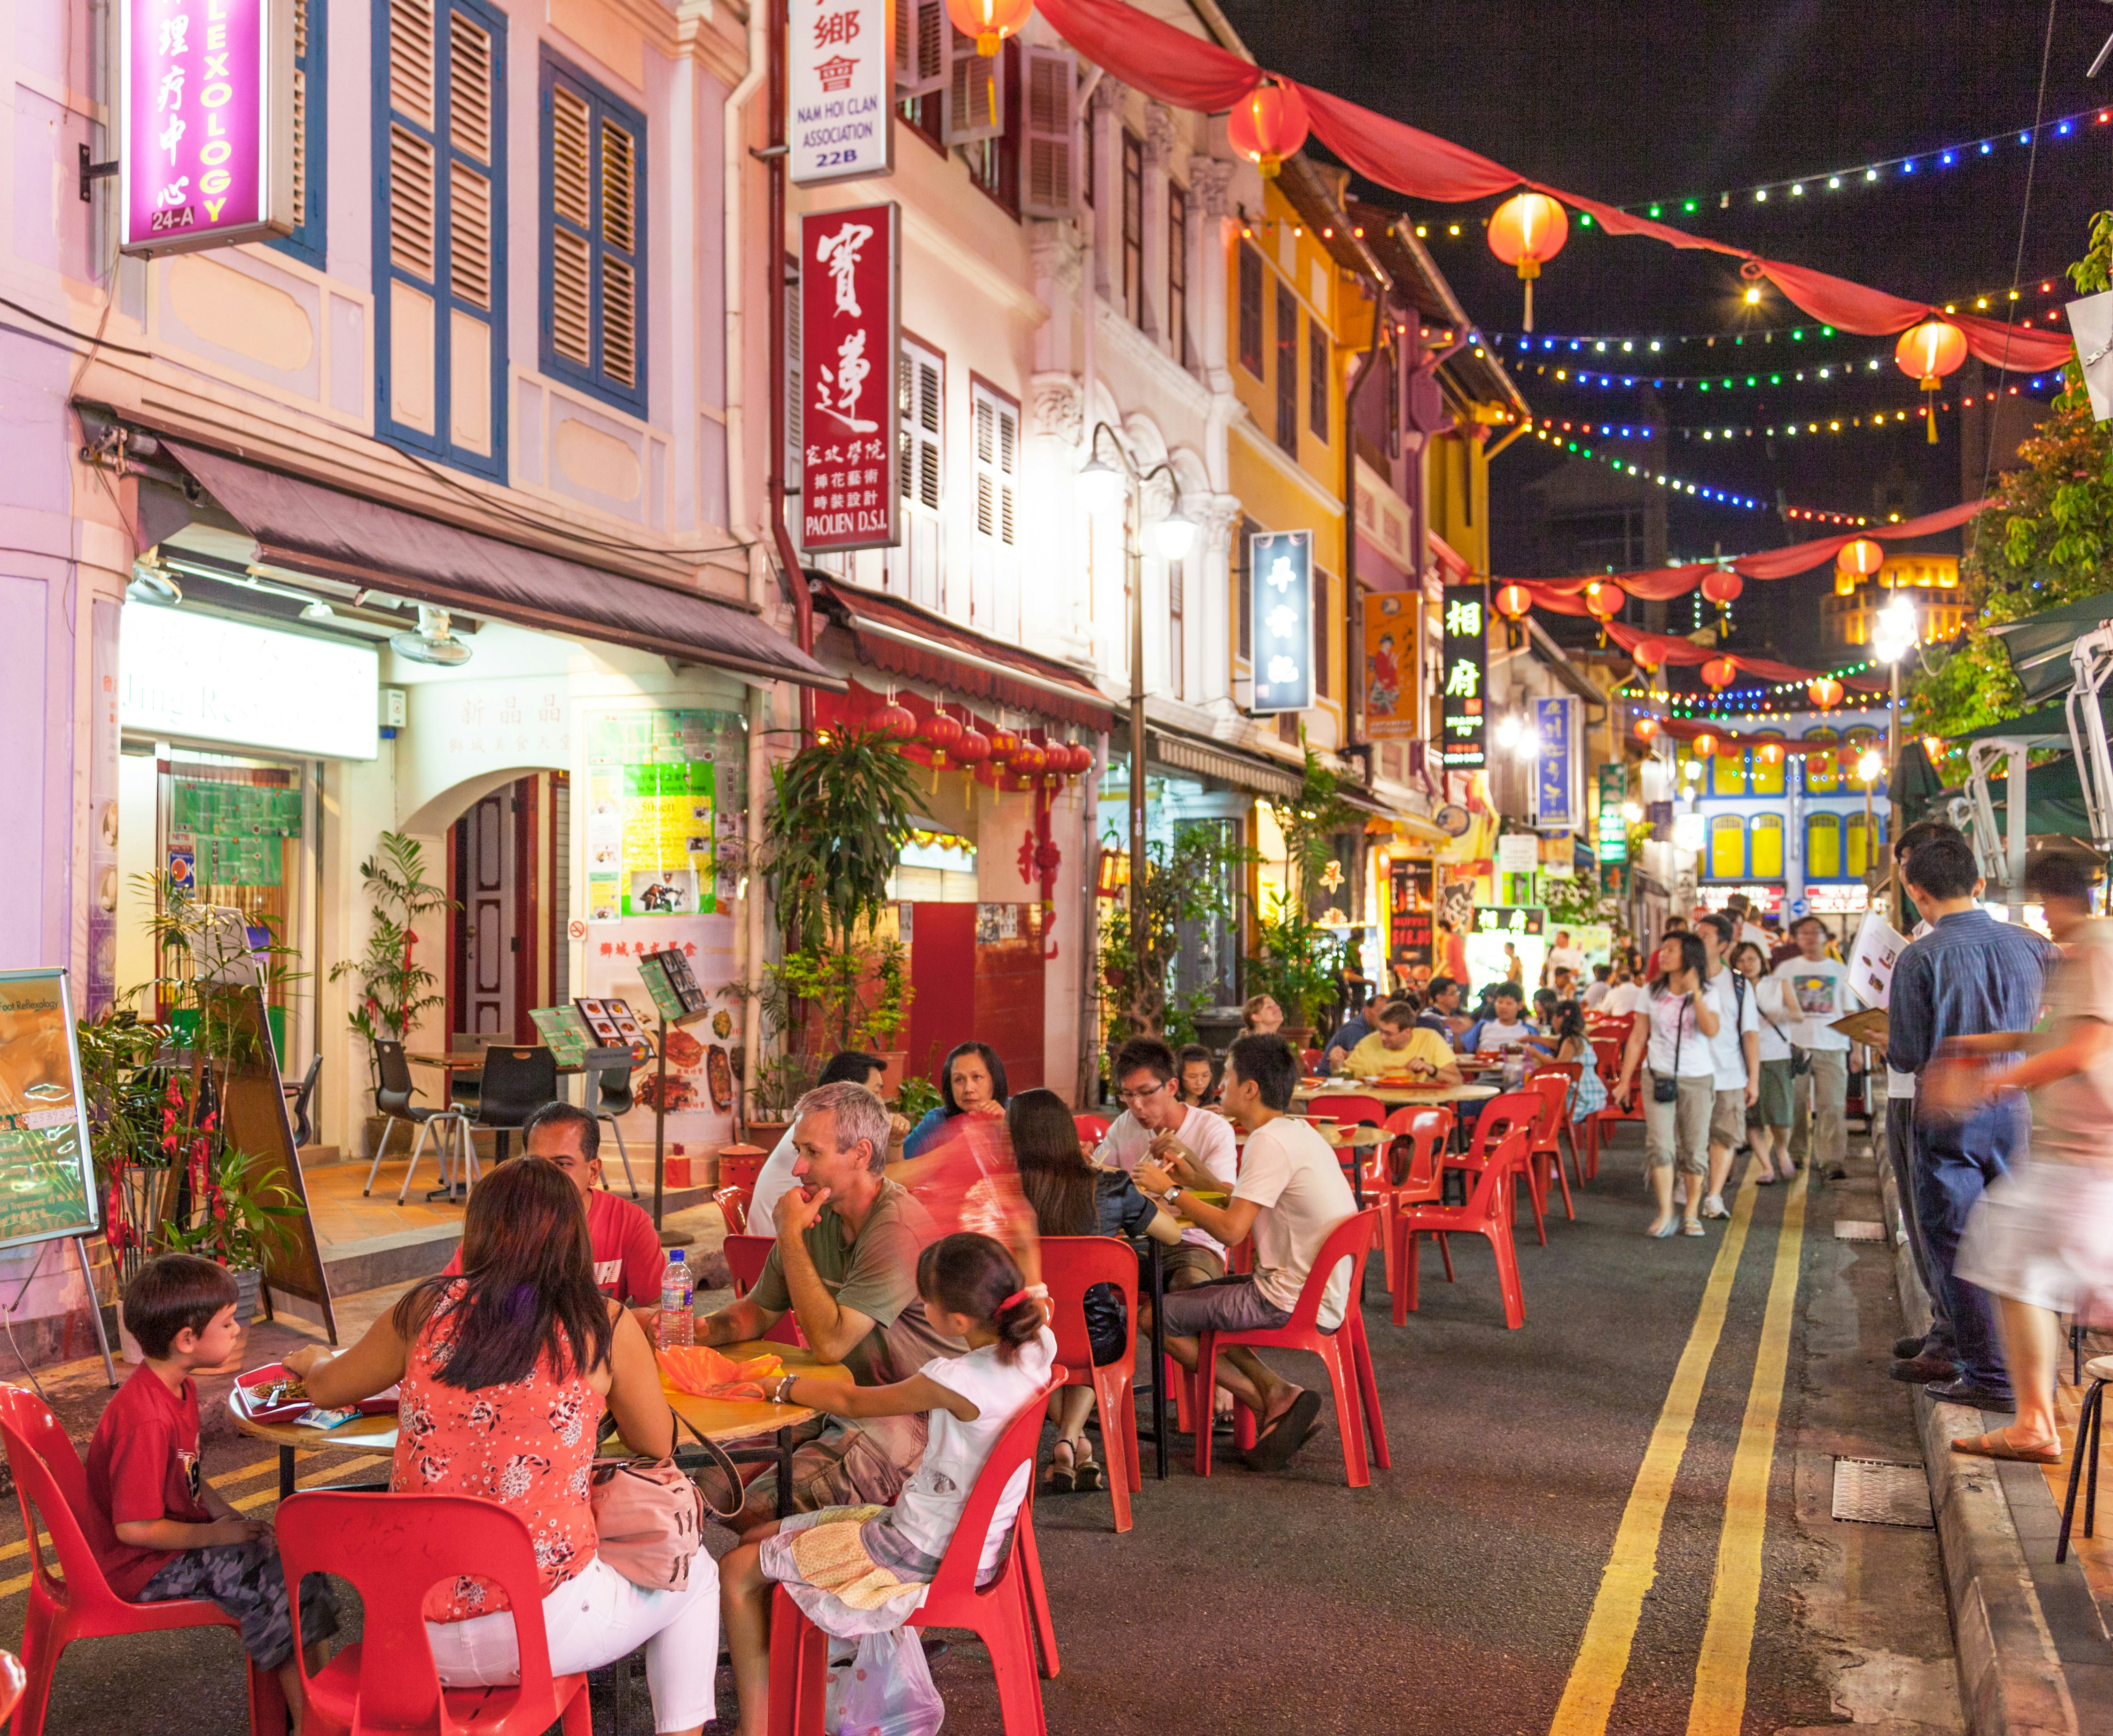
x: 271, y: 1394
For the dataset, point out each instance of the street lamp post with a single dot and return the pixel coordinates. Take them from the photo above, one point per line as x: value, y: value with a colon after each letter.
x: 1104, y: 484
x: 1894, y: 633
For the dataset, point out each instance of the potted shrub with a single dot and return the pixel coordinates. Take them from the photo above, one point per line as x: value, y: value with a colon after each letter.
x: 1299, y: 957
x: 392, y: 989
x: 239, y: 1223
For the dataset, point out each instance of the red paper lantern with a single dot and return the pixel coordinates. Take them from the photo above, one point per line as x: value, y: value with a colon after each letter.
x: 1649, y: 654
x: 1730, y: 750
x: 1771, y: 753
x: 1004, y: 744
x: 1860, y: 558
x: 1704, y: 746
x: 1826, y: 692
x: 1927, y: 353
x: 1027, y: 760
x: 973, y: 748
x: 1528, y: 229
x: 989, y: 21
x: 1268, y: 125
x: 893, y: 719
x: 1081, y: 759
x: 1722, y: 587
x: 1605, y: 599
x: 940, y: 733
x: 1720, y: 672
x: 1646, y: 727
x: 1512, y: 602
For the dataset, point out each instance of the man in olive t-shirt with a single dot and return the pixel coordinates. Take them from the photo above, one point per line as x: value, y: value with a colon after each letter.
x: 845, y: 1266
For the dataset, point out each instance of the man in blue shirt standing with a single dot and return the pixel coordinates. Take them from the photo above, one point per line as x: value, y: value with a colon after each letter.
x: 1969, y: 975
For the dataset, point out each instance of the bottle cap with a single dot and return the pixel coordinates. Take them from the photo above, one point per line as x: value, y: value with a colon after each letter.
x: 675, y: 1256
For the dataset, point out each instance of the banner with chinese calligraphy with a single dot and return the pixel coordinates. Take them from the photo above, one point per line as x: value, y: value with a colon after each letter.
x: 1281, y: 586
x: 1410, y: 939
x: 205, y: 124
x: 1464, y: 674
x: 1391, y: 666
x: 839, y: 81
x: 1614, y: 823
x: 1554, y: 800
x: 850, y: 283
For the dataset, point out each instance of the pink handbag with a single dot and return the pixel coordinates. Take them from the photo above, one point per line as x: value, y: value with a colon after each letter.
x: 649, y: 1513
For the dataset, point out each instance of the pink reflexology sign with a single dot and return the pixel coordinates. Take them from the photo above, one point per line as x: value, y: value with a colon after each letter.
x: 205, y: 122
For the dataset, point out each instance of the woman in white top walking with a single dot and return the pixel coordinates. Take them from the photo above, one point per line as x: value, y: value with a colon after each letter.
x: 1670, y: 1036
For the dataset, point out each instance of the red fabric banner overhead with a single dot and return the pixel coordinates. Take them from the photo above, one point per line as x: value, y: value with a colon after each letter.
x: 1189, y: 72
x: 1662, y: 649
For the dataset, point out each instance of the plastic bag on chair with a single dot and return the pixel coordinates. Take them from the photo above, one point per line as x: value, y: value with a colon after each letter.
x: 885, y: 1690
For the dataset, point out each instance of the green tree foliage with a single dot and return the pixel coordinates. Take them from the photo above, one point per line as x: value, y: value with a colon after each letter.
x: 2045, y: 538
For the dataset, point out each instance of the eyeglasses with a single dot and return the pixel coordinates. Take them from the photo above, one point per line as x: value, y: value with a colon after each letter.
x: 1138, y: 1097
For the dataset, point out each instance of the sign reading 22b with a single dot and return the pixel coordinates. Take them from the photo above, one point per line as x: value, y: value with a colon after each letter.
x: 850, y: 340
x: 1280, y: 604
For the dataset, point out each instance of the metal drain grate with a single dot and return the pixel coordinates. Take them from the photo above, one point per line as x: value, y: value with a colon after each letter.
x: 1858, y: 1230
x: 1873, y: 1491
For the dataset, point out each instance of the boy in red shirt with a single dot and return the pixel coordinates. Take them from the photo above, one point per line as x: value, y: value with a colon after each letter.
x: 159, y: 1530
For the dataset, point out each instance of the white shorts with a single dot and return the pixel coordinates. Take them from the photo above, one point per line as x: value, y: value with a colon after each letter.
x: 2043, y: 1235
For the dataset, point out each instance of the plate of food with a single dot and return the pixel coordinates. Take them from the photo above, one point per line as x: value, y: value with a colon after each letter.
x: 271, y: 1394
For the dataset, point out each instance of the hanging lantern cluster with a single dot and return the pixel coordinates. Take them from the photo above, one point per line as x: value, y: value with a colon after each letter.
x: 893, y: 719
x: 1268, y: 125
x: 1929, y: 352
x: 1526, y: 230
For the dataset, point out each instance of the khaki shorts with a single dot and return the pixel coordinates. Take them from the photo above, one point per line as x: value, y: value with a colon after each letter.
x: 840, y: 1467
x: 1200, y: 1265
x: 1728, y: 1118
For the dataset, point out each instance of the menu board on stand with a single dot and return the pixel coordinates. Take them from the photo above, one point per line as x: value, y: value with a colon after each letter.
x: 679, y: 1001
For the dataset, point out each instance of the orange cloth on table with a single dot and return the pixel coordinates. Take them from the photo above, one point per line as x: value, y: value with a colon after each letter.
x: 702, y: 1372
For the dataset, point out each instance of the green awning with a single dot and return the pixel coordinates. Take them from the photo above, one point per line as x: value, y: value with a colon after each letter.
x: 2038, y: 644
x: 2054, y: 800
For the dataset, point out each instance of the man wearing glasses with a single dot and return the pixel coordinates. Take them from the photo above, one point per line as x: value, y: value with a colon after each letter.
x: 1155, y: 1124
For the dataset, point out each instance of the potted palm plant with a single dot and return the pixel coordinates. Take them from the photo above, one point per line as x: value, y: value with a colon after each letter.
x: 394, y: 988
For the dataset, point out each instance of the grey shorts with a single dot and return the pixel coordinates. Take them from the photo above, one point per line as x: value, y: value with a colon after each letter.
x: 1232, y: 1304
x: 842, y: 1466
x: 1193, y: 1264
x: 246, y: 1582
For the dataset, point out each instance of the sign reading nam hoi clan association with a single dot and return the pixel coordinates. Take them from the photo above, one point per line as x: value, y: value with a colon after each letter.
x: 205, y: 122
x: 849, y: 341
x: 840, y: 77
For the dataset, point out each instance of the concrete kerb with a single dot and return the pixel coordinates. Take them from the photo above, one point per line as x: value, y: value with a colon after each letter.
x: 2011, y: 1681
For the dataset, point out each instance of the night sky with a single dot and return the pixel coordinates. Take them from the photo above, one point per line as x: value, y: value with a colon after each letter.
x: 1657, y: 102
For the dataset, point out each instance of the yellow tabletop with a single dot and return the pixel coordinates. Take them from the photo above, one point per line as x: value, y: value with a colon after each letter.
x: 737, y: 1419
x: 375, y: 1434
x: 1396, y: 1095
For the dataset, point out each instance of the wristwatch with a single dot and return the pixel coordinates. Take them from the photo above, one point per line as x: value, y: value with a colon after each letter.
x: 1171, y: 1195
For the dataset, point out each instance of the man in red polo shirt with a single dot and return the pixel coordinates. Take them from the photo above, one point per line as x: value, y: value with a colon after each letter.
x: 628, y: 1255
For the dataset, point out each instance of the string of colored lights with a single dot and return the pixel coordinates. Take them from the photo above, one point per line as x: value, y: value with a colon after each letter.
x: 1700, y: 491
x: 1873, y: 420
x: 1833, y: 374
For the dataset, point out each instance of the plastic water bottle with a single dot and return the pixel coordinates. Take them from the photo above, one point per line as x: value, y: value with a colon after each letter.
x: 1514, y: 1069
x: 677, y: 1294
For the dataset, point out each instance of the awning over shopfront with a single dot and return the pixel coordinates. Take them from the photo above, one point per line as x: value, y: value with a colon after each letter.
x: 1247, y: 771
x: 892, y: 634
x: 2038, y: 644
x: 305, y: 528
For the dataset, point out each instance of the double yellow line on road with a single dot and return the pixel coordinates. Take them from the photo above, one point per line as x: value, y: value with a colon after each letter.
x: 1603, y: 1657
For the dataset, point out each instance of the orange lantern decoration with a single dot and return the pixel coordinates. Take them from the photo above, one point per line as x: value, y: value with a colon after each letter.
x: 1859, y: 558
x: 1647, y: 654
x: 1826, y: 692
x: 1722, y: 588
x: 973, y: 748
x: 1771, y: 753
x: 1004, y: 744
x: 1605, y: 598
x: 1929, y: 352
x: 940, y: 732
x: 1268, y: 125
x: 894, y: 720
x: 1512, y: 602
x: 989, y: 21
x: 1730, y: 750
x: 1027, y: 760
x: 1720, y: 672
x: 1526, y: 230
x: 1704, y: 746
x: 1647, y: 728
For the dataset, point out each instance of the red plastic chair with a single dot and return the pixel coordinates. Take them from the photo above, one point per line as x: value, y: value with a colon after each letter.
x: 1353, y: 1380
x: 1071, y: 1265
x: 12, y: 1681
x: 1350, y: 1108
x: 732, y: 1203
x: 1009, y: 1614
x: 76, y: 1602
x: 1600, y: 1125
x: 1552, y: 1085
x: 744, y: 1257
x: 1092, y: 1129
x: 1522, y: 1109
x: 1487, y: 1212
x: 1311, y: 1062
x: 393, y: 1549
x: 1408, y: 1169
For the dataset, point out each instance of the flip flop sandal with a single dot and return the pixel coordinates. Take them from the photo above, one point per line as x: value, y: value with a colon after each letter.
x: 1691, y: 1227
x: 1285, y: 1436
x: 1090, y: 1476
x: 1063, y: 1478
x: 1993, y: 1445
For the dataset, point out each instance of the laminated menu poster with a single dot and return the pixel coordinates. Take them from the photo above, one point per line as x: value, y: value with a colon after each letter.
x: 655, y: 783
x: 705, y: 1054
x: 46, y: 1180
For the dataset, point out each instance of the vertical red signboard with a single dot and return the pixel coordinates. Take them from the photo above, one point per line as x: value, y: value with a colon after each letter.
x: 851, y: 328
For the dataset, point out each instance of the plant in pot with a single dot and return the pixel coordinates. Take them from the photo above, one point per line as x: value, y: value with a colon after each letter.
x: 1189, y: 881
x: 1300, y: 961
x: 241, y: 1220
x: 394, y: 989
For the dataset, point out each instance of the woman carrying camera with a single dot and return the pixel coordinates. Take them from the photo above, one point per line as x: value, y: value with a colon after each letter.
x: 1670, y: 1036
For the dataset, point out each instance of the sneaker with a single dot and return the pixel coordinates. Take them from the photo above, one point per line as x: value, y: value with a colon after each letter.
x: 1923, y: 1369
x: 1714, y: 1207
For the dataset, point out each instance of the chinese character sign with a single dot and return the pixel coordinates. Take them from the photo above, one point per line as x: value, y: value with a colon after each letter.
x: 1409, y: 938
x: 850, y: 339
x: 1464, y: 675
x: 205, y: 122
x: 1391, y: 665
x: 1614, y: 823
x: 840, y: 76
x: 1553, y: 803
x: 1280, y: 591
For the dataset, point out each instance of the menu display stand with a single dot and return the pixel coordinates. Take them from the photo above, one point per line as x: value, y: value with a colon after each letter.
x: 679, y: 1001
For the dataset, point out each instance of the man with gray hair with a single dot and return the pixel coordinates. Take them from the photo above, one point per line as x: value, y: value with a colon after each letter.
x: 844, y: 1265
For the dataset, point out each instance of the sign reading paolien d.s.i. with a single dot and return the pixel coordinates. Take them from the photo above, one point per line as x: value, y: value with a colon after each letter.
x: 205, y: 122
x: 851, y: 334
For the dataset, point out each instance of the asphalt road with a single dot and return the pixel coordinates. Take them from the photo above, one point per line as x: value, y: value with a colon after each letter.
x: 1488, y: 1582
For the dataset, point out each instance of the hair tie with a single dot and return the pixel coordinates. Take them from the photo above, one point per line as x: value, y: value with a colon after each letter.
x: 1040, y: 1291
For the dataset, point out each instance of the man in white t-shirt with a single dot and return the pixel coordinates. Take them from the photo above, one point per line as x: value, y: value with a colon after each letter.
x: 1600, y: 988
x: 1623, y: 998
x: 775, y: 1180
x: 1156, y: 1125
x: 1289, y: 1196
x: 1735, y: 1051
x: 1507, y: 1029
x: 1818, y: 988
x: 1561, y: 956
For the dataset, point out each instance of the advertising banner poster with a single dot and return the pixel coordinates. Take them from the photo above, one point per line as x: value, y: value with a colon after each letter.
x: 654, y: 799
x: 205, y: 123
x: 851, y: 334
x: 1411, y: 934
x: 1554, y: 805
x: 1391, y: 666
x: 838, y: 89
x: 1280, y: 581
x: 1463, y: 676
x: 49, y: 1190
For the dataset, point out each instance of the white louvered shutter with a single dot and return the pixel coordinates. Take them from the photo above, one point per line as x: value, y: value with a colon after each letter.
x: 921, y: 386
x: 413, y: 190
x: 921, y: 28
x: 994, y: 563
x: 972, y: 105
x: 1048, y: 174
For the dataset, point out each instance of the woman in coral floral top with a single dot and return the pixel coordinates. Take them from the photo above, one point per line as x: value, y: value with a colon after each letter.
x: 501, y: 1401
